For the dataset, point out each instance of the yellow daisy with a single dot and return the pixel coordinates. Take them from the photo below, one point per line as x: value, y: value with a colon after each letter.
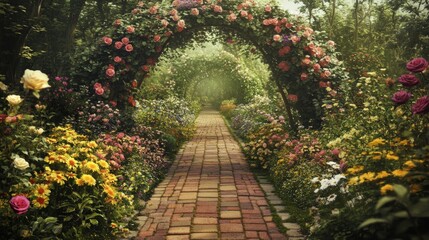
x: 88, y: 179
x: 391, y: 156
x: 103, y: 164
x: 399, y: 173
x: 376, y: 142
x: 41, y: 202
x: 42, y: 190
x: 92, y: 166
x: 382, y: 174
x: 385, y: 188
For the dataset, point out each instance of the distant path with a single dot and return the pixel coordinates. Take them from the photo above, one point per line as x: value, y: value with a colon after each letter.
x: 209, y: 192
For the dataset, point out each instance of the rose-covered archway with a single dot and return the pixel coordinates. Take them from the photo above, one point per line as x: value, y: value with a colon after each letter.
x: 304, y: 64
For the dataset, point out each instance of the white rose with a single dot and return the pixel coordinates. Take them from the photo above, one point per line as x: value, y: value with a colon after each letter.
x: 35, y: 80
x: 14, y: 100
x: 3, y: 86
x: 20, y: 163
x: 40, y: 131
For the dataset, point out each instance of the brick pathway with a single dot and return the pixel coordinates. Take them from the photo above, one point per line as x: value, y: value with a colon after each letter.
x: 209, y: 192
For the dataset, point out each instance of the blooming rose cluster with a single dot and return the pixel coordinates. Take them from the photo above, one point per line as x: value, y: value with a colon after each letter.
x: 410, y: 80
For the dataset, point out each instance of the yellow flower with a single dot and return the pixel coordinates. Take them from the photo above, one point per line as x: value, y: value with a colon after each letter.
x: 109, y: 178
x: 42, y: 190
x: 14, y: 100
x: 57, y: 176
x: 41, y: 202
x: 92, y: 144
x: 103, y: 164
x: 391, y: 156
x: 382, y: 174
x: 385, y: 188
x: 79, y: 182
x: 399, y: 173
x: 71, y: 175
x: 409, y: 164
x: 369, y: 176
x: 376, y: 155
x: 353, y: 181
x: 110, y: 191
x: 113, y: 225
x: 376, y: 142
x: 92, y: 166
x: 355, y: 169
x: 72, y: 163
x: 415, y: 188
x: 88, y: 179
x: 34, y: 80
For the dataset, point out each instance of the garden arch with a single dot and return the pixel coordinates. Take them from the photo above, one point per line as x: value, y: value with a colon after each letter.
x: 303, y: 62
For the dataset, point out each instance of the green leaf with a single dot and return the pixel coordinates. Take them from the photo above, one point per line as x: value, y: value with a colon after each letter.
x: 36, y: 94
x: 383, y: 201
x: 93, y: 221
x: 402, y: 192
x: 371, y: 221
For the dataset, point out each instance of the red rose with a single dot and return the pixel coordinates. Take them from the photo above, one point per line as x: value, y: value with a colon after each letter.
x: 401, y: 97
x: 19, y: 204
x: 408, y: 80
x: 157, y: 38
x: 117, y: 59
x: 292, y: 97
x: 417, y: 65
x: 284, y: 66
x: 131, y: 101
x: 129, y: 48
x: 304, y: 76
x: 134, y: 83
x: 97, y: 85
x: 99, y: 91
x: 421, y: 106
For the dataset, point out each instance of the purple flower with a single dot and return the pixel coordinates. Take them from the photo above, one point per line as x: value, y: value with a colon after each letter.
x: 417, y: 65
x: 408, y: 80
x: 421, y: 106
x: 19, y: 204
x: 401, y: 97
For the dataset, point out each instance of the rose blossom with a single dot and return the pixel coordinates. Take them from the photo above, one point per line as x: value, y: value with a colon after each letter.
x: 277, y: 29
x: 295, y: 39
x: 232, y: 17
x: 267, y: 8
x: 156, y: 38
x: 195, y: 12
x: 164, y: 23
x: 14, y: 100
x: 153, y: 10
x: 20, y: 204
x: 408, y: 80
x: 20, y: 163
x: 176, y: 18
x: 173, y: 12
x: 401, y: 97
x: 421, y: 106
x: 243, y: 13
x: 129, y: 48
x: 110, y: 72
x: 118, y: 45
x: 284, y: 50
x: 250, y: 17
x: 125, y: 40
x: 97, y: 85
x: 117, y: 59
x: 284, y: 66
x: 130, y: 29
x: 99, y: 91
x: 316, y: 67
x: 34, y: 80
x: 107, y: 40
x: 292, y: 97
x: 304, y: 76
x: 181, y: 23
x: 277, y: 38
x: 217, y: 9
x: 417, y: 65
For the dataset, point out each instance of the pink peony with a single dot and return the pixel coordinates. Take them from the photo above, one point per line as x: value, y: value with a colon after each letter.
x: 19, y: 204
x: 421, y: 106
x: 408, y: 80
x: 129, y: 48
x: 118, y: 45
x: 110, y: 72
x: 417, y: 65
x: 401, y: 97
x: 130, y: 29
x: 107, y: 40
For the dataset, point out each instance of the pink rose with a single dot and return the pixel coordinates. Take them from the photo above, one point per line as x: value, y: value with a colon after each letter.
x: 232, y: 17
x: 164, y: 23
x: 295, y: 39
x: 417, y: 65
x: 125, y: 40
x: 107, y: 40
x: 120, y: 135
x: 217, y: 9
x: 292, y: 97
x: 110, y: 72
x: 267, y: 8
x: 335, y: 151
x: 316, y: 67
x: 130, y: 29
x: 243, y: 13
x: 331, y: 43
x: 157, y: 38
x: 304, y: 76
x: 408, y: 80
x: 277, y: 38
x: 176, y: 18
x: 181, y: 24
x: 289, y: 25
x: 97, y: 85
x: 173, y: 12
x: 306, y: 61
x: 266, y: 22
x: 19, y: 204
x: 284, y: 66
x: 195, y: 12
x: 277, y: 29
x: 117, y: 59
x: 99, y: 91
x: 421, y: 106
x: 153, y: 10
x: 250, y: 17
x: 129, y: 48
x: 284, y: 50
x: 401, y: 97
x: 326, y: 74
x: 118, y: 45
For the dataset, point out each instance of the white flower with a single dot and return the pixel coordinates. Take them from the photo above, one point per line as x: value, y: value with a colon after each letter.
x: 35, y: 80
x: 20, y: 163
x: 335, y: 212
x: 40, y: 131
x: 314, y: 180
x: 14, y: 100
x: 331, y: 197
x: 333, y: 164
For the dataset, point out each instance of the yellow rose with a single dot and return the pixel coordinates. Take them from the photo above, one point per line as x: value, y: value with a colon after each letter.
x: 20, y: 163
x: 35, y: 80
x: 14, y: 100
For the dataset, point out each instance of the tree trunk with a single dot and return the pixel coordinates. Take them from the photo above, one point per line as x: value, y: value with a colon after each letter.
x: 292, y: 122
x: 356, y: 33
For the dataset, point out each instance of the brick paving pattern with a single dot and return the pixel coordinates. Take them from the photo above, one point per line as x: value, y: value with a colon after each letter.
x: 209, y: 192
